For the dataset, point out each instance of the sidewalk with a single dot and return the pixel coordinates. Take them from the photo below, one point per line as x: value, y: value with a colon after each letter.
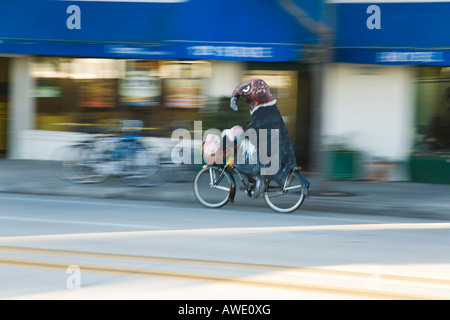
x: 406, y: 199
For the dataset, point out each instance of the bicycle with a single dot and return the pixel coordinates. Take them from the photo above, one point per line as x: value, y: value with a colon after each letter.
x: 96, y: 159
x: 215, y: 186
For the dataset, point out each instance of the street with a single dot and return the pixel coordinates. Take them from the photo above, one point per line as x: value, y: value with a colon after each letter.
x: 80, y: 248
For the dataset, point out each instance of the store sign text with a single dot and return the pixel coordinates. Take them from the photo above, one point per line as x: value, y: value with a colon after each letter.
x: 231, y: 51
x: 119, y: 49
x: 426, y: 56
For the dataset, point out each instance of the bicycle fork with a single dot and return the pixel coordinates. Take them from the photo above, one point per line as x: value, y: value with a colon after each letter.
x: 214, y: 181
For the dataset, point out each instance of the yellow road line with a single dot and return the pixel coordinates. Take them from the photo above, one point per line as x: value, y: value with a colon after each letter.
x: 361, y: 293
x: 224, y: 264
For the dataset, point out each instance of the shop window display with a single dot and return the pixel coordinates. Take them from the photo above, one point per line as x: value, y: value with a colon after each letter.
x: 433, y: 111
x: 85, y: 94
x: 430, y: 160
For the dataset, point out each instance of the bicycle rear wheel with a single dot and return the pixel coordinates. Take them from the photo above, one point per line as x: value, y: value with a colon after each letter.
x: 285, y: 196
x: 213, y: 187
x: 141, y: 168
x: 76, y: 164
x: 61, y: 159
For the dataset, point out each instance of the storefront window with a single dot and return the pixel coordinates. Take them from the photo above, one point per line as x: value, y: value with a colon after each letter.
x: 84, y: 94
x: 184, y: 83
x: 140, y: 86
x: 432, y: 121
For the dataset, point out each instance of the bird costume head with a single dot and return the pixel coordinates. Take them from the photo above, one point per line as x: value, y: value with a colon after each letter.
x: 255, y: 92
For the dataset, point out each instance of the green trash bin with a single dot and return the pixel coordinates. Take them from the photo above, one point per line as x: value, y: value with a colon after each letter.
x: 430, y: 169
x: 342, y: 165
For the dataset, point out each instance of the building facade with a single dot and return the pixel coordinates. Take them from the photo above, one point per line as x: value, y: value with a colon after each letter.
x: 386, y: 92
x: 382, y: 90
x: 165, y: 62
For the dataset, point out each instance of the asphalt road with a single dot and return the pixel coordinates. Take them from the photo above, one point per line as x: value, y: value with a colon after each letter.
x: 78, y: 248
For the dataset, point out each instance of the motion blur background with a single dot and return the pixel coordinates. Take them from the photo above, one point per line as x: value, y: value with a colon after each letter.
x: 364, y: 87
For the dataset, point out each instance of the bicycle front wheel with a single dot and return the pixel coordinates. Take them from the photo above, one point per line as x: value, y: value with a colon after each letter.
x: 213, y: 187
x: 285, y: 196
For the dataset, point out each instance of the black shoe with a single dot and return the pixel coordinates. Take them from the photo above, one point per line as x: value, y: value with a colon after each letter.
x: 250, y: 188
x: 257, y: 189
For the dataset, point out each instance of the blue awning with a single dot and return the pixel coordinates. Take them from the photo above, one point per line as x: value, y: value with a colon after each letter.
x: 393, y: 33
x: 257, y: 30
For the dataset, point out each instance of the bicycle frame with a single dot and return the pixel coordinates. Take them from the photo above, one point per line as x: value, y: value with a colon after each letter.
x: 124, y: 146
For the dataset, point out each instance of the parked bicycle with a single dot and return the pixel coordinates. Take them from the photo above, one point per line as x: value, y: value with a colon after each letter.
x: 215, y: 186
x: 97, y: 158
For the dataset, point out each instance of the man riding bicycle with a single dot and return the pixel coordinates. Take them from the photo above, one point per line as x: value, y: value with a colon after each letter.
x: 272, y: 137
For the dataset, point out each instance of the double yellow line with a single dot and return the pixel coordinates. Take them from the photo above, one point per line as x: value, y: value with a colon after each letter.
x: 335, y: 290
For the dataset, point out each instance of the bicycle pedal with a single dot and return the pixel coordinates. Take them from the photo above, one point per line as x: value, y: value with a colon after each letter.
x: 247, y: 191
